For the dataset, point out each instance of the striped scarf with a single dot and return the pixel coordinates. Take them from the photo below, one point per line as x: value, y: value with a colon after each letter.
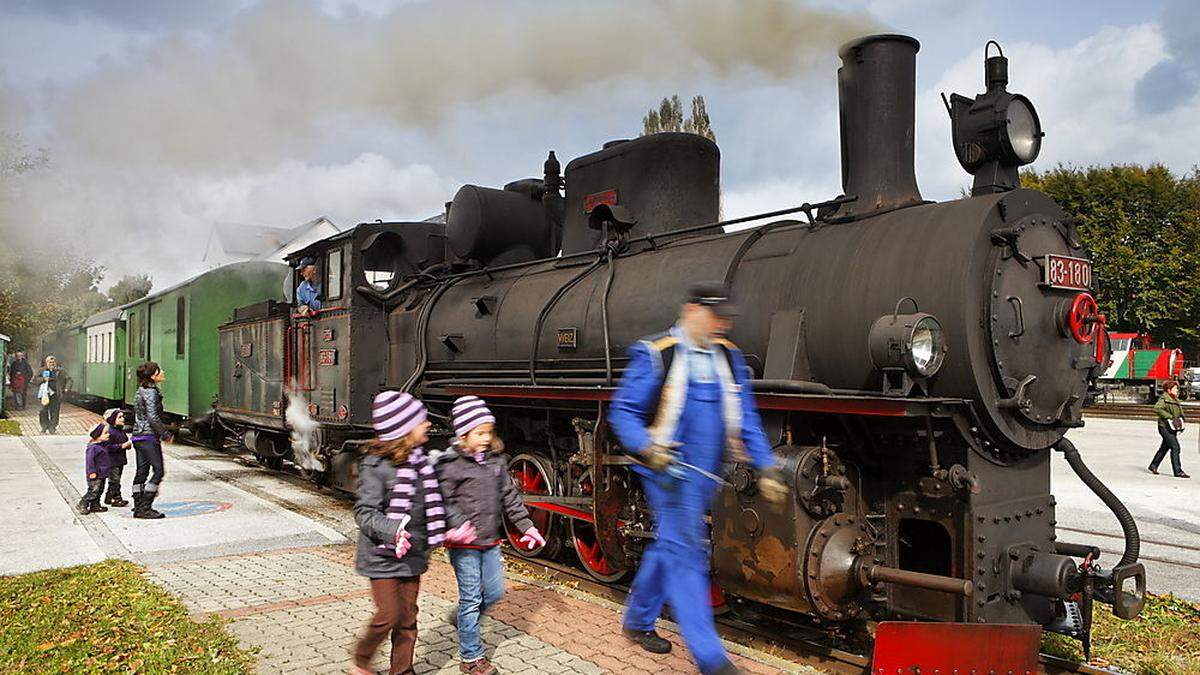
x: 406, y: 486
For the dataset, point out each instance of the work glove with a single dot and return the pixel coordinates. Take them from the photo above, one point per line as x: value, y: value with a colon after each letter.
x: 532, y: 539
x: 463, y: 534
x: 658, y: 457
x: 403, y: 543
x: 772, y: 487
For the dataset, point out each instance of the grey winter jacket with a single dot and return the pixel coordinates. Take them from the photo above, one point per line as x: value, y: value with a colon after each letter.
x: 376, y: 480
x: 481, y: 492
x: 147, y: 413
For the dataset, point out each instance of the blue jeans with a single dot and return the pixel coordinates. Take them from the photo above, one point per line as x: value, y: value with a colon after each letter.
x: 480, y: 575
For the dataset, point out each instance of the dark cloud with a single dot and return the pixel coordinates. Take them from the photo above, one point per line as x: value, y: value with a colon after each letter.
x: 1175, y: 80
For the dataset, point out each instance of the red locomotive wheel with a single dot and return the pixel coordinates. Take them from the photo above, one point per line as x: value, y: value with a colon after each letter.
x: 530, y: 476
x: 587, y: 547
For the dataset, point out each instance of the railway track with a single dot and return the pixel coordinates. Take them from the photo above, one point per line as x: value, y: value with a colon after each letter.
x: 747, y: 624
x: 1136, y: 411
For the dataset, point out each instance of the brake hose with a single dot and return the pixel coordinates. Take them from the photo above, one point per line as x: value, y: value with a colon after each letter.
x: 1133, y: 541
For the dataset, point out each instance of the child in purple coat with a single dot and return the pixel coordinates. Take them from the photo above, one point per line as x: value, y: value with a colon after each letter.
x: 97, y: 466
x: 118, y: 448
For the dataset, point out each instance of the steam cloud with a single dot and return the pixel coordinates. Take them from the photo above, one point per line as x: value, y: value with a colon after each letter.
x: 165, y: 140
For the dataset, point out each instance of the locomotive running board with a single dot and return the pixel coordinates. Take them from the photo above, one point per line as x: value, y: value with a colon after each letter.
x: 819, y: 403
x: 911, y: 647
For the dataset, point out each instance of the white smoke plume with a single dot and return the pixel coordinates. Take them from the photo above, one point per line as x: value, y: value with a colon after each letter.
x: 304, y: 428
x: 283, y: 71
x: 268, y: 117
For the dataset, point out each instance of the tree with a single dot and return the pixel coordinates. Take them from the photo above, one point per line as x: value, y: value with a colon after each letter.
x: 669, y: 117
x: 129, y: 288
x: 1141, y: 226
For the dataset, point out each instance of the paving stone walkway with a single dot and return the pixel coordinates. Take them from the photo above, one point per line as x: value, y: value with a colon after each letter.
x: 72, y: 421
x: 303, y: 608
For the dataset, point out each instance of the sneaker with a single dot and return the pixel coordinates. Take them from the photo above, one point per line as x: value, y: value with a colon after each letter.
x: 648, y: 640
x: 480, y: 666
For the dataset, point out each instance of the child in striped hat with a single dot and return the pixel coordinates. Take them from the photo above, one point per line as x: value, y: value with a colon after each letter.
x: 401, y: 518
x: 479, y: 490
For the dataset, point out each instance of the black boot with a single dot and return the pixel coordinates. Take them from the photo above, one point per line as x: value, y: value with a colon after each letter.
x: 95, y: 506
x: 648, y: 640
x: 113, y: 498
x: 84, y: 507
x: 145, y: 511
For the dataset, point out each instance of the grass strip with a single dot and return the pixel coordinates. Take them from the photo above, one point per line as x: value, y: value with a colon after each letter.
x: 1163, y: 640
x: 105, y: 618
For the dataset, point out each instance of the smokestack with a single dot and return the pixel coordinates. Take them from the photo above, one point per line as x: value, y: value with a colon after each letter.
x: 876, y: 95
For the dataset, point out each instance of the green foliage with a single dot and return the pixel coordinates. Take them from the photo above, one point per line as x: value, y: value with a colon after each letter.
x: 669, y: 117
x: 45, y: 289
x: 107, y: 618
x: 129, y: 288
x: 10, y: 428
x: 1141, y: 226
x: 1164, y: 640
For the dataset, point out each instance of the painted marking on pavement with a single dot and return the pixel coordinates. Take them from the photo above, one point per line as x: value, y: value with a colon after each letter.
x: 199, y: 507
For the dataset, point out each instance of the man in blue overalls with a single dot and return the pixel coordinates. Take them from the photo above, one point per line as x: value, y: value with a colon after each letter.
x: 308, y: 293
x: 685, y: 399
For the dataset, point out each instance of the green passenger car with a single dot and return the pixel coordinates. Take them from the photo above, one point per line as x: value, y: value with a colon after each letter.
x: 177, y: 328
x: 104, y: 357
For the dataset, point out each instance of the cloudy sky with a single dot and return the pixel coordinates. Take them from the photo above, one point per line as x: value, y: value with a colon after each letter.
x: 162, y: 117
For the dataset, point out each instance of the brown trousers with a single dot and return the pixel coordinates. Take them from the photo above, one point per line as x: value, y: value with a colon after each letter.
x: 395, y: 613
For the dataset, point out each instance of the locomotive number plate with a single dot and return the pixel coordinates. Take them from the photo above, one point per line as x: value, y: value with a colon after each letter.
x: 568, y: 338
x: 328, y: 357
x: 1061, y: 271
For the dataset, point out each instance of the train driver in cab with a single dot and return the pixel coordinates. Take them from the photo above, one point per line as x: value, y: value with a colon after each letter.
x: 308, y: 293
x: 684, y: 407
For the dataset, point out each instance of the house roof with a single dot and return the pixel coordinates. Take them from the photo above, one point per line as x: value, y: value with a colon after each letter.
x: 254, y: 240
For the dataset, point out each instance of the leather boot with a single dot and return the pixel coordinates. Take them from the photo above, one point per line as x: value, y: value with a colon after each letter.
x: 147, y: 512
x: 95, y: 507
x: 113, y: 498
x: 83, y: 507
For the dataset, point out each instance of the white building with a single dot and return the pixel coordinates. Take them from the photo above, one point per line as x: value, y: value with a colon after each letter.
x: 231, y: 242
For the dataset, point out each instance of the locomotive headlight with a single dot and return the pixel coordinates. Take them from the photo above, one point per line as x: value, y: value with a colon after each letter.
x: 914, y: 343
x: 927, y: 346
x: 1023, y: 131
x: 996, y: 132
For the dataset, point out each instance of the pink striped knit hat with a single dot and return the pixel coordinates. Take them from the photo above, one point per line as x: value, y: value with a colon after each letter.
x: 395, y: 413
x: 469, y: 412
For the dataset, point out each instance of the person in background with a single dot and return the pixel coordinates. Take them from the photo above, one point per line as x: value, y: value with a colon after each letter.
x: 683, y: 408
x: 1170, y: 425
x: 19, y: 375
x: 401, y: 518
x: 149, y: 432
x: 308, y: 292
x: 52, y: 383
x: 478, y: 489
x: 118, y: 447
x: 96, y: 468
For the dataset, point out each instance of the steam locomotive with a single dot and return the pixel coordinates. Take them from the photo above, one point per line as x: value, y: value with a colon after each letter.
x: 917, y: 364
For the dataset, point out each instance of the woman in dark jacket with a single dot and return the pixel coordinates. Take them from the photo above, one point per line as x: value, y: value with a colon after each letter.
x: 56, y: 384
x: 148, y: 434
x: 1170, y: 425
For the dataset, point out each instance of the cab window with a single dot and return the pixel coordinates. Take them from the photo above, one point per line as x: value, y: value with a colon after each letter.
x: 333, y: 274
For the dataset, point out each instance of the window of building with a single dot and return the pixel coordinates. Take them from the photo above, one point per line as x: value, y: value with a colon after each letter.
x: 180, y: 325
x: 333, y: 274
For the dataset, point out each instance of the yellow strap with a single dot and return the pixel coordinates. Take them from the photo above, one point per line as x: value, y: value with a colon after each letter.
x: 664, y: 342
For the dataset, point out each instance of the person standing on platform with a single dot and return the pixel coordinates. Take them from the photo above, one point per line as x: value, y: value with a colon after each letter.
x: 149, y: 432
x: 1170, y: 424
x: 52, y: 384
x: 685, y: 398
x: 19, y: 375
x: 118, y: 448
x: 96, y: 469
